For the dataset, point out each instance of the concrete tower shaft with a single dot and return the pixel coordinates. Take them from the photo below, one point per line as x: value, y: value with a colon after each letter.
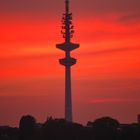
x: 67, y: 32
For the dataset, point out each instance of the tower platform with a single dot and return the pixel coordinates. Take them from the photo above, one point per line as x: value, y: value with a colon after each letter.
x: 67, y: 46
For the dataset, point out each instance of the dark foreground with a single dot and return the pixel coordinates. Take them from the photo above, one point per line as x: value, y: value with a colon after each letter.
x: 58, y: 129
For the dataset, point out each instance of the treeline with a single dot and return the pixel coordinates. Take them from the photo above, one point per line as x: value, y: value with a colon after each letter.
x: 104, y: 128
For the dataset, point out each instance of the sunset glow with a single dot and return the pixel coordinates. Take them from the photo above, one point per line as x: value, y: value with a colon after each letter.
x: 106, y: 79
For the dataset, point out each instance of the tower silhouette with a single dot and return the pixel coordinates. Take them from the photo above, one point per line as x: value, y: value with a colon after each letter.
x: 67, y: 32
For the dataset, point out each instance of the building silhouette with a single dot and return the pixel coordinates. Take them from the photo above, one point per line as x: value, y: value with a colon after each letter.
x: 67, y: 32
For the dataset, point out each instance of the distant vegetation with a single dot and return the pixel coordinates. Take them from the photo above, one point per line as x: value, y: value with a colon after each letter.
x: 104, y: 128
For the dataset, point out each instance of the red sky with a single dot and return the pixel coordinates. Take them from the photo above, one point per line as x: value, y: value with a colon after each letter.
x: 106, y: 79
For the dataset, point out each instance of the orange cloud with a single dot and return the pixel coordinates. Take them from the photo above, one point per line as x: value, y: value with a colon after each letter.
x: 113, y: 100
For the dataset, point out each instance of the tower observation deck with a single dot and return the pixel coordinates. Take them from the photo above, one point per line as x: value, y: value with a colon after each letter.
x: 67, y: 32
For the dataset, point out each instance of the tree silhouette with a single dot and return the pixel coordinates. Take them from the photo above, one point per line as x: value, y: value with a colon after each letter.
x: 27, y: 127
x: 106, y: 122
x: 105, y: 128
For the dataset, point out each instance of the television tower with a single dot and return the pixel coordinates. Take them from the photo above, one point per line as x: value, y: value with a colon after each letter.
x: 67, y: 32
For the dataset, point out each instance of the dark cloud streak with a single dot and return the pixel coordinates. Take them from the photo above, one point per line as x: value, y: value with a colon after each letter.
x: 112, y: 51
x: 28, y: 5
x: 130, y: 18
x: 109, y: 5
x: 53, y: 6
